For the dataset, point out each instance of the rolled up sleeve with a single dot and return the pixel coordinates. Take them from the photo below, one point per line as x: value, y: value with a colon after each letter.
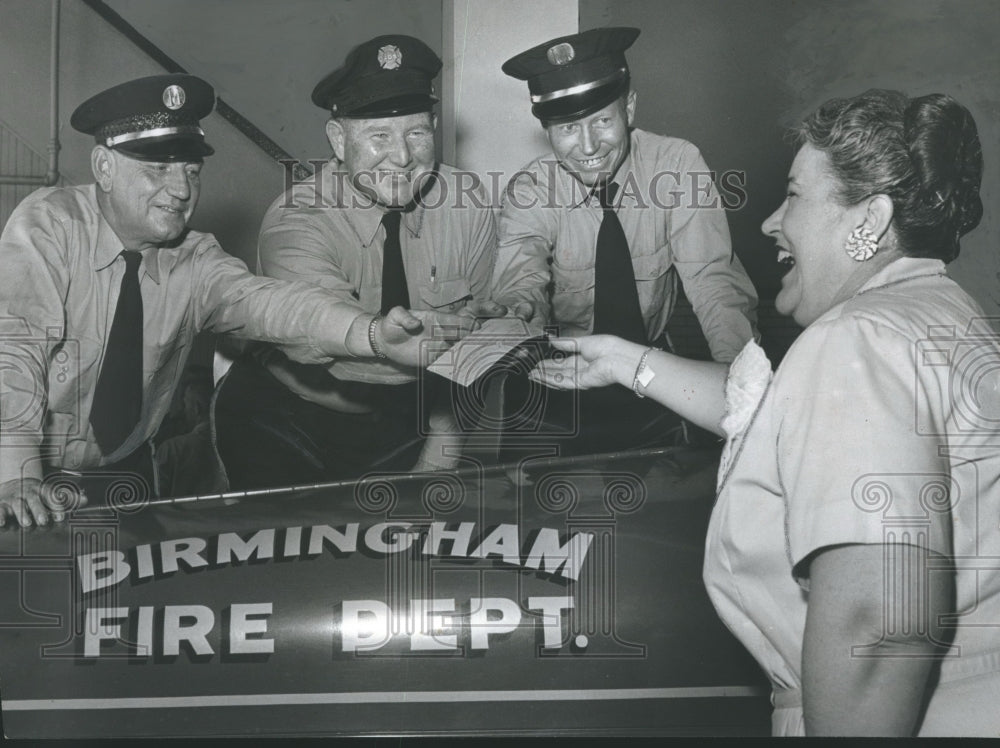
x: 527, y: 233
x: 310, y: 323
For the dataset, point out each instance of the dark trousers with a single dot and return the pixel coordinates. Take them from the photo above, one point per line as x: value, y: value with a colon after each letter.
x: 269, y: 437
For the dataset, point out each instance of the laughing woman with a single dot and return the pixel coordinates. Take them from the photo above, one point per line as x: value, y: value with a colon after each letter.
x: 853, y: 544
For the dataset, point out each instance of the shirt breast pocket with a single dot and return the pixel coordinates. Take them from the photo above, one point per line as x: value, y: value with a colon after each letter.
x: 652, y: 266
x: 653, y: 281
x: 572, y: 295
x: 447, y: 295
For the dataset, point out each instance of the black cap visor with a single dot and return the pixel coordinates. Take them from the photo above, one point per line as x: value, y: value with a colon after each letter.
x: 381, y: 94
x: 394, y: 107
x: 167, y: 148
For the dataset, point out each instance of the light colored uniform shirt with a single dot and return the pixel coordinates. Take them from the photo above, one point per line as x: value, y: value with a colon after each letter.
x: 675, y: 225
x: 325, y: 232
x: 59, y: 286
x: 879, y: 426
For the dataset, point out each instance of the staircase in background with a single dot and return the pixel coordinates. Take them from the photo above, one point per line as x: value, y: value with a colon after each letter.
x: 240, y: 122
x: 17, y: 159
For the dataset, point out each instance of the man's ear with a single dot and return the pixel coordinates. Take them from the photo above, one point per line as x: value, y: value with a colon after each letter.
x: 337, y: 136
x: 102, y: 164
x: 630, y: 106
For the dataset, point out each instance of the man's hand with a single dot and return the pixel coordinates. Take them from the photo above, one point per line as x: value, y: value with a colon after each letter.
x: 417, y: 337
x: 525, y: 310
x: 29, y: 501
x: 483, y: 310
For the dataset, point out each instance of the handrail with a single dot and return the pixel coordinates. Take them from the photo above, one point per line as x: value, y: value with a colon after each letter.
x: 238, y: 121
x: 51, y: 176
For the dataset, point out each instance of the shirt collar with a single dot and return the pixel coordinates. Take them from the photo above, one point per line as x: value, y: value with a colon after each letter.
x: 150, y: 263
x: 363, y: 213
x: 108, y: 246
x: 902, y: 269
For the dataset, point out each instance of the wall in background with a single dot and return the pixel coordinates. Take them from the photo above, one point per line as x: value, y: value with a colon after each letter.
x: 265, y: 57
x: 488, y: 122
x: 730, y: 76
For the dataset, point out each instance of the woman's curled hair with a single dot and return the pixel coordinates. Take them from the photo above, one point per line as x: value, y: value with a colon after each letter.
x: 924, y: 153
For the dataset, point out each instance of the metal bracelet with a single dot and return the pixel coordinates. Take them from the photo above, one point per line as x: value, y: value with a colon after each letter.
x: 379, y: 353
x: 636, y: 381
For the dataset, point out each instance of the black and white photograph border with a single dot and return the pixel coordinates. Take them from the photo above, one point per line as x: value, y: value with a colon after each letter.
x: 244, y: 613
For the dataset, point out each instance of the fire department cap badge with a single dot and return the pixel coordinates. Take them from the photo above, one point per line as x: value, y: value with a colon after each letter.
x: 174, y: 97
x: 560, y: 54
x: 389, y: 57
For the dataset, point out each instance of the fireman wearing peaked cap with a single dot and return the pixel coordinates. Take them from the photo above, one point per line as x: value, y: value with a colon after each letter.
x: 388, y: 76
x: 382, y: 225
x: 573, y: 76
x: 150, y: 119
x: 104, y: 289
x: 595, y: 236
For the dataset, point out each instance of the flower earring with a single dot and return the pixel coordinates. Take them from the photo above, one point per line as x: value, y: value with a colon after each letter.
x: 861, y: 244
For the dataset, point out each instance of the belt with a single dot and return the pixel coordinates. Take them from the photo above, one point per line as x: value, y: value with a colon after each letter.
x: 786, y: 698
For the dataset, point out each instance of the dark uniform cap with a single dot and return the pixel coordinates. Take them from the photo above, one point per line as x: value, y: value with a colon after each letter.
x: 573, y: 76
x: 387, y: 76
x: 151, y: 119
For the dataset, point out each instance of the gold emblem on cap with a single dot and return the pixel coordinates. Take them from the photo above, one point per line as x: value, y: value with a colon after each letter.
x: 389, y: 57
x: 561, y: 54
x: 174, y: 97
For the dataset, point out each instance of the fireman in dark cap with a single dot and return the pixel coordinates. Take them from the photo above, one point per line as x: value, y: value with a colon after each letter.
x: 595, y: 239
x: 150, y: 119
x: 574, y: 76
x: 104, y: 289
x: 382, y: 225
x: 388, y: 76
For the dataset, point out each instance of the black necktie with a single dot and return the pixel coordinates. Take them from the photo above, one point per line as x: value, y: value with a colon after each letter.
x: 394, y: 291
x: 118, y: 397
x: 616, y: 301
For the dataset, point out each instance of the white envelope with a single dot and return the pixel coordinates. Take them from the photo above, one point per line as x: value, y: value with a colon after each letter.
x: 474, y: 354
